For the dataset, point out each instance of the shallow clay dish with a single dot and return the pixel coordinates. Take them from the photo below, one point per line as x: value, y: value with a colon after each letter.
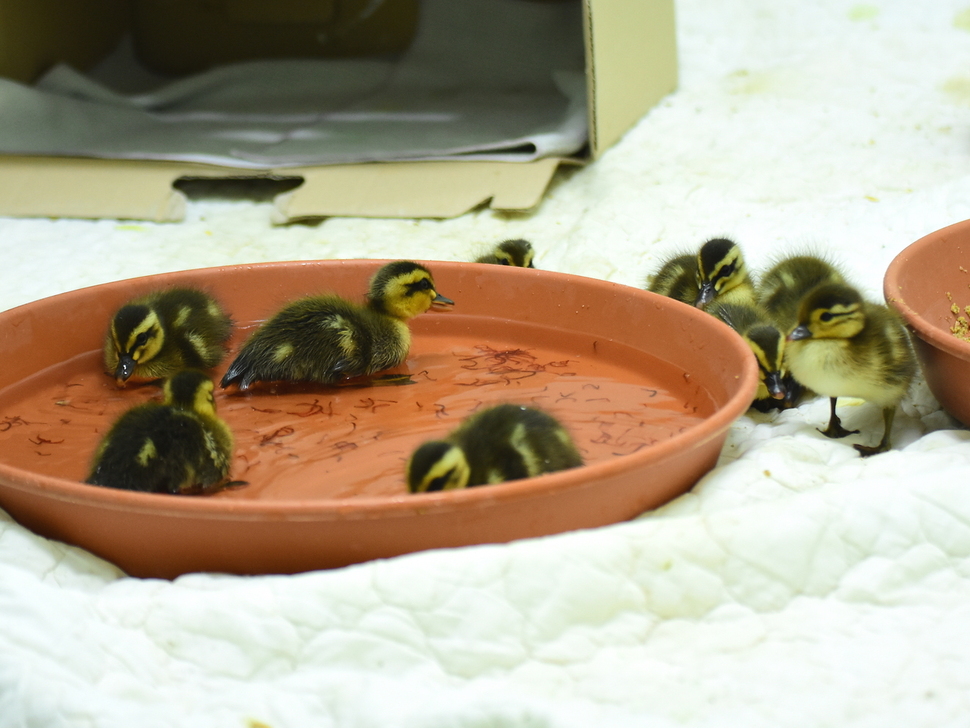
x: 647, y: 386
x: 923, y: 283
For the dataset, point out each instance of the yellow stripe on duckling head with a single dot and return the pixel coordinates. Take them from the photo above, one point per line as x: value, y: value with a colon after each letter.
x: 833, y: 311
x: 437, y: 465
x: 146, y: 339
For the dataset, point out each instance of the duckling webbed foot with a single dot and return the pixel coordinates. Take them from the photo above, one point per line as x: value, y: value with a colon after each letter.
x: 888, y: 415
x: 835, y: 428
x: 866, y: 451
x: 381, y: 380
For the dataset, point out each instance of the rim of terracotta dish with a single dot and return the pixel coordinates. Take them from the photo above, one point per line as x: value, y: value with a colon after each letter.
x: 896, y: 296
x: 370, y: 507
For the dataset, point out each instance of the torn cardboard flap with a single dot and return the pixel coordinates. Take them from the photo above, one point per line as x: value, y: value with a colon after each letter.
x: 146, y: 190
x: 414, y: 189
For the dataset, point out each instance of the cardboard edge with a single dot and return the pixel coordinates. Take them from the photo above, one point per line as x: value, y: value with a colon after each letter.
x: 90, y: 188
x: 414, y: 189
x: 631, y: 64
x: 144, y: 190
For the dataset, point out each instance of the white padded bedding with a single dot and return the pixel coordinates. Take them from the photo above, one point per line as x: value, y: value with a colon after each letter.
x: 795, y: 585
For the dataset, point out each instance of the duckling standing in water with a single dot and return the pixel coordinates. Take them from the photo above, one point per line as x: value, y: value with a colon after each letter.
x: 505, y: 442
x: 154, y: 336
x: 718, y: 271
x: 177, y: 446
x: 326, y: 338
x: 517, y: 252
x: 768, y: 345
x: 844, y: 346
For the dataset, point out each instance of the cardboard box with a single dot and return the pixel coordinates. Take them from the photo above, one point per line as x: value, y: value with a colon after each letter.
x: 188, y: 36
x: 630, y: 64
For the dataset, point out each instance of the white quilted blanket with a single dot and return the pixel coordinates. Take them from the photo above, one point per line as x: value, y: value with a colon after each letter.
x: 796, y: 585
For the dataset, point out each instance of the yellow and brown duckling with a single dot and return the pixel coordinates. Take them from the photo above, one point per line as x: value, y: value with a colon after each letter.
x: 782, y: 288
x: 676, y: 279
x: 845, y: 346
x: 722, y: 274
x: 717, y: 272
x: 517, y: 252
x: 504, y: 442
x: 326, y: 339
x: 780, y: 293
x: 176, y: 446
x: 767, y: 343
x: 154, y: 336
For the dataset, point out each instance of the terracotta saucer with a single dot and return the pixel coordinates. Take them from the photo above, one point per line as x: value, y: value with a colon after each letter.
x: 647, y: 386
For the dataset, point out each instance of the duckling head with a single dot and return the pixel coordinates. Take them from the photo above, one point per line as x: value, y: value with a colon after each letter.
x: 404, y: 289
x: 138, y: 336
x: 516, y: 252
x: 190, y: 390
x: 720, y: 267
x: 832, y: 311
x: 437, y: 465
x: 768, y: 345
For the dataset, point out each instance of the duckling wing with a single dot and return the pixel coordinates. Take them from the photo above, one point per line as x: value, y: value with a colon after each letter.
x: 883, y: 357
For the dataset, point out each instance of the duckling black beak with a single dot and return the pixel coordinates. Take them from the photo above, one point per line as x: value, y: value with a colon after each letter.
x: 706, y: 295
x: 126, y: 367
x: 800, y: 332
x: 776, y: 387
x: 441, y: 301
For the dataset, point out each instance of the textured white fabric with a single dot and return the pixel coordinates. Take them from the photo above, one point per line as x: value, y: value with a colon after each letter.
x: 795, y: 585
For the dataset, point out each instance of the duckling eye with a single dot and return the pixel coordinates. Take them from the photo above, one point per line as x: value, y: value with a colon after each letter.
x: 727, y: 270
x: 141, y: 339
x: 503, y: 261
x: 826, y: 316
x: 423, y: 285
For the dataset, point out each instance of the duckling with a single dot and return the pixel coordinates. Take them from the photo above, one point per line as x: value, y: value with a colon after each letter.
x: 846, y: 346
x: 517, y: 252
x: 326, y: 338
x: 177, y: 446
x: 677, y: 279
x: 783, y: 287
x: 154, y: 336
x: 768, y: 345
x: 718, y: 271
x: 505, y: 442
x: 722, y: 274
